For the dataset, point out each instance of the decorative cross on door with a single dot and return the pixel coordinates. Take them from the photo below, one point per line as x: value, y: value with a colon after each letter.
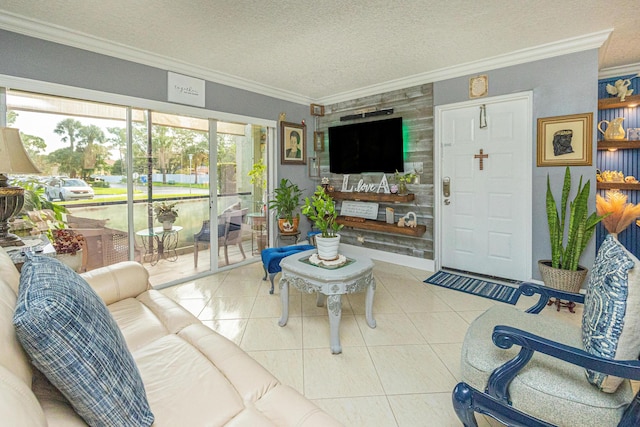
x: 481, y: 156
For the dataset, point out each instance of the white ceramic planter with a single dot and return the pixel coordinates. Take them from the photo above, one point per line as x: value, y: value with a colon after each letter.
x: 72, y: 261
x: 328, y: 247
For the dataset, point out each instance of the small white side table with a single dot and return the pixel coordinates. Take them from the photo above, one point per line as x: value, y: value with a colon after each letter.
x: 355, y: 276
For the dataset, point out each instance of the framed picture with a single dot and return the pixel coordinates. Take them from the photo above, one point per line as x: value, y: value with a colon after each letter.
x: 317, y: 110
x: 314, y: 167
x: 478, y: 86
x: 293, y: 149
x: 565, y: 140
x: 318, y: 141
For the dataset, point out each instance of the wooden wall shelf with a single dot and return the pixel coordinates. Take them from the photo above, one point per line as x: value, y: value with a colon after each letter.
x: 372, y: 197
x: 373, y: 225
x: 620, y: 144
x: 617, y: 186
x: 608, y: 103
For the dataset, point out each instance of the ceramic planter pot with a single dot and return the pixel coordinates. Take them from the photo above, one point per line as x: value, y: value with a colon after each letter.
x: 328, y: 247
x: 286, y: 227
x: 73, y: 261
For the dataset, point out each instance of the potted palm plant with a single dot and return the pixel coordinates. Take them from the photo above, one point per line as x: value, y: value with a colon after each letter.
x: 563, y: 270
x: 321, y: 210
x: 286, y: 200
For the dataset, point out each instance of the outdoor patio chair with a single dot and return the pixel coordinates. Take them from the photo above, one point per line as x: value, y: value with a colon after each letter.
x: 229, y: 233
x: 104, y: 246
x: 528, y: 370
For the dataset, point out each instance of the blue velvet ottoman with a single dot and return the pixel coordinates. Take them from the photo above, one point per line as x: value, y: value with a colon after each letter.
x: 271, y: 258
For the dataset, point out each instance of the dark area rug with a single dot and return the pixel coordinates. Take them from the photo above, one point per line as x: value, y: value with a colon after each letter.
x: 475, y: 286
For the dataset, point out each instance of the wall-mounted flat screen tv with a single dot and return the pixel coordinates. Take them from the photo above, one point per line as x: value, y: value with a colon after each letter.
x: 375, y: 146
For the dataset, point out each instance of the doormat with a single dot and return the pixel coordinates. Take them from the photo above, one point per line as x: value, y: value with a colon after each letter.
x: 474, y: 286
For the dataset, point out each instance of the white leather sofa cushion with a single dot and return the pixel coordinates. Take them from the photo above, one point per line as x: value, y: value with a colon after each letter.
x: 192, y: 375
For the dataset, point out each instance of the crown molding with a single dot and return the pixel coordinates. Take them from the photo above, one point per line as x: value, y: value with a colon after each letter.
x: 65, y: 36
x: 623, y: 70
x: 549, y: 50
x: 58, y: 34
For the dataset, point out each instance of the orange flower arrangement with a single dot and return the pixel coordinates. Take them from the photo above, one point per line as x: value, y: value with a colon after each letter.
x: 620, y: 213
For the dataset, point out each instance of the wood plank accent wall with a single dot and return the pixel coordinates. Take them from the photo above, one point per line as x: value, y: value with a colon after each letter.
x: 415, y: 106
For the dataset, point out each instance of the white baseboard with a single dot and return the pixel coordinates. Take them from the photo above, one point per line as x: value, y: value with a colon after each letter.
x: 408, y: 261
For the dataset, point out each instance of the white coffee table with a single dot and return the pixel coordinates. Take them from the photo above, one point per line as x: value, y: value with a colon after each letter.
x: 355, y: 276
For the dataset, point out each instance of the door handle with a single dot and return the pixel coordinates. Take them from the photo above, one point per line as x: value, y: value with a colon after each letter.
x: 446, y: 186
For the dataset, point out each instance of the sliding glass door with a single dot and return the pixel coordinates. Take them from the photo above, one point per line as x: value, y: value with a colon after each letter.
x: 159, y: 197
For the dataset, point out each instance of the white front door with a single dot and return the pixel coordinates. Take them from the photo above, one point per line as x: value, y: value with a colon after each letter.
x: 486, y: 150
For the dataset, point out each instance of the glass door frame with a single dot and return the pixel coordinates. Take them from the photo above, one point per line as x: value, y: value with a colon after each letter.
x: 135, y: 103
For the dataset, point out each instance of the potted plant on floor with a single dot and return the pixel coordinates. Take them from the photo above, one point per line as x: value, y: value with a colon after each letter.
x: 321, y: 210
x: 166, y: 214
x: 286, y: 201
x: 563, y: 271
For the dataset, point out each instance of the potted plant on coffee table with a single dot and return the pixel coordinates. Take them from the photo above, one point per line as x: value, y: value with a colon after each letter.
x: 321, y: 210
x: 286, y: 201
x: 563, y: 271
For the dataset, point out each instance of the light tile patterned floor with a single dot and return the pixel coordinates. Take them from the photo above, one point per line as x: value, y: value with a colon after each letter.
x: 399, y: 374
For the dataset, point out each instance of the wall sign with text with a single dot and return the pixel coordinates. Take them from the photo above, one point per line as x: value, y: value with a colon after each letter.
x: 185, y: 90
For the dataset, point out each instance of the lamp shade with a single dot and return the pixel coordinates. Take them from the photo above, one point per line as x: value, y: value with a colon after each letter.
x: 13, y: 156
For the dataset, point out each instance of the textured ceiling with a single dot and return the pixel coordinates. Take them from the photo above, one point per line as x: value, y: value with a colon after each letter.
x: 318, y: 49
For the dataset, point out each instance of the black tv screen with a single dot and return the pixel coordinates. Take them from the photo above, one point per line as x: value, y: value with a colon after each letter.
x: 375, y: 146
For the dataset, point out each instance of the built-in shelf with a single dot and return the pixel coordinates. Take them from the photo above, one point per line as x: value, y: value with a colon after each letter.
x: 372, y: 197
x: 618, y: 186
x: 622, y: 144
x: 373, y: 225
x: 608, y: 103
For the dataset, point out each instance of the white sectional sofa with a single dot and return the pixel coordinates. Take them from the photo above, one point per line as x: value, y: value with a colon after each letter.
x: 192, y: 375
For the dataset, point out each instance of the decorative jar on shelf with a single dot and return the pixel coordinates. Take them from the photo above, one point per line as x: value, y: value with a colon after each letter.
x: 614, y: 131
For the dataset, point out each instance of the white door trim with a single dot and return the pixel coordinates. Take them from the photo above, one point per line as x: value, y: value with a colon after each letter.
x: 527, y: 152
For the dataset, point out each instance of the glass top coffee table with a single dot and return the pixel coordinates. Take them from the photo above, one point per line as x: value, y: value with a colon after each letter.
x: 331, y: 283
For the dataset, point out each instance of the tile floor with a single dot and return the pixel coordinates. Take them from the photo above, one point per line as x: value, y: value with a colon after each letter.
x: 399, y: 374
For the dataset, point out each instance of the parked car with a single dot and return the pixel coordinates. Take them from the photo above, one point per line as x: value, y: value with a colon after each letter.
x: 68, y: 189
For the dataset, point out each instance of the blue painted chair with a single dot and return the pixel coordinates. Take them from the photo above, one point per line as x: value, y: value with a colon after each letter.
x: 271, y: 258
x: 527, y: 370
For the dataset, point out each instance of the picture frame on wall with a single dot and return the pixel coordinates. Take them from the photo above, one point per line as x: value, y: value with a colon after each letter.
x: 293, y: 148
x: 316, y: 110
x: 565, y: 140
x: 318, y: 141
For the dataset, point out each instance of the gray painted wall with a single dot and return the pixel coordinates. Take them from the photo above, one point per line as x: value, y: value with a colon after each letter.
x: 562, y: 85
x: 31, y: 58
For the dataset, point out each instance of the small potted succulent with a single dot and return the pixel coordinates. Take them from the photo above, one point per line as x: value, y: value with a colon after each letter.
x: 166, y: 214
x: 321, y: 210
x: 286, y: 201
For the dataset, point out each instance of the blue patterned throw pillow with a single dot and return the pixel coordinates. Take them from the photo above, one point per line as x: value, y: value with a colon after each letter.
x: 611, y: 320
x: 72, y: 338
